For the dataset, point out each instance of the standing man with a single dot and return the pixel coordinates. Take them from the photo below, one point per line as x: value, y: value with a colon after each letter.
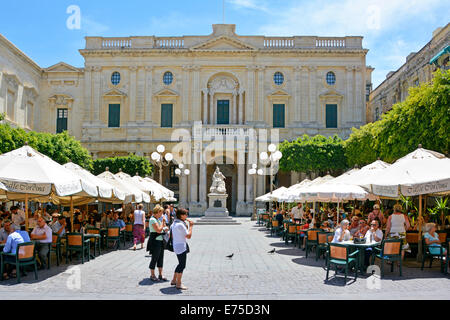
x: 297, y: 213
x: 43, y: 234
x: 376, y: 213
x: 17, y: 217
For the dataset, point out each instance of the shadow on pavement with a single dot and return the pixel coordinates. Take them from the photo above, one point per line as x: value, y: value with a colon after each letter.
x: 170, y: 290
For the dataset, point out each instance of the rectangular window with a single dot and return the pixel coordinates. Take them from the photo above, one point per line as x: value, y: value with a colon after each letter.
x: 114, y: 116
x: 331, y: 115
x: 166, y: 115
x: 61, y: 120
x: 278, y: 115
x: 223, y: 111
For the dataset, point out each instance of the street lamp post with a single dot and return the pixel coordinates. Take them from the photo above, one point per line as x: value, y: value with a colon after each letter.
x: 272, y: 157
x: 182, y: 173
x: 158, y: 158
x: 254, y: 172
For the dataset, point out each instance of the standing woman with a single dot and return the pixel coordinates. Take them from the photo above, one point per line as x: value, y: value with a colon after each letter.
x: 396, y: 227
x: 180, y: 232
x: 138, y: 226
x: 156, y: 243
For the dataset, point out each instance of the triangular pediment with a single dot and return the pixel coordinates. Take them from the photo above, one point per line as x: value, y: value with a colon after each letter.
x: 166, y: 93
x: 114, y: 93
x: 331, y: 94
x: 279, y: 93
x: 62, y: 67
x: 223, y: 43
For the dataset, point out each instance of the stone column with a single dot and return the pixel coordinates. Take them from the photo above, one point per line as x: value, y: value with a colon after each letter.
x: 261, y: 111
x: 313, y: 94
x: 296, y: 105
x: 205, y: 106
x: 359, y: 94
x: 185, y: 98
x: 196, y: 96
x: 348, y: 98
x: 304, y: 87
x: 148, y: 94
x: 202, y: 187
x: 194, y: 179
x: 183, y: 191
x: 88, y: 103
x: 132, y: 97
x: 212, y: 112
x: 97, y: 97
x: 235, y: 102
x: 295, y: 177
x: 241, y: 106
x: 250, y: 103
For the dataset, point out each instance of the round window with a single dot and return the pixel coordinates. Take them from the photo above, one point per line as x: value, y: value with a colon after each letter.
x: 115, y: 78
x: 168, y: 78
x: 331, y: 78
x: 278, y: 78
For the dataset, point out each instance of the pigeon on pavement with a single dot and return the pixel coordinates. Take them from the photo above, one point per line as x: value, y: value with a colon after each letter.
x: 272, y: 251
x: 230, y: 256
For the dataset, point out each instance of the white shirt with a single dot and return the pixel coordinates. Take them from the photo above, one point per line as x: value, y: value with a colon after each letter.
x: 298, y: 213
x: 397, y: 223
x: 370, y: 238
x: 45, y: 230
x: 179, y: 233
x: 138, y: 216
x: 337, y: 235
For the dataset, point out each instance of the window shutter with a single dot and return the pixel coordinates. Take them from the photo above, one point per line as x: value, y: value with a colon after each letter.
x: 114, y: 116
x: 61, y: 120
x: 166, y: 115
x: 223, y: 112
x: 331, y: 115
x: 278, y: 115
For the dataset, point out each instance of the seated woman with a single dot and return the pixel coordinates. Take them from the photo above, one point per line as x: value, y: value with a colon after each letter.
x: 362, y: 229
x: 354, y: 226
x: 342, y: 233
x: 432, y: 239
x: 325, y: 226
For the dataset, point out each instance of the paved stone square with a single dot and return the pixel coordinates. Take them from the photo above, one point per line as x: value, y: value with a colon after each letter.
x: 251, y: 274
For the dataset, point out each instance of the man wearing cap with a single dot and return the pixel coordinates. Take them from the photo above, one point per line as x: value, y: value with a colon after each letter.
x: 376, y: 213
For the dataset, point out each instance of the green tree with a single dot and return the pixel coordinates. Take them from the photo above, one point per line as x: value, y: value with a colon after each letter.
x: 422, y: 118
x: 129, y: 164
x: 313, y: 154
x: 60, y: 147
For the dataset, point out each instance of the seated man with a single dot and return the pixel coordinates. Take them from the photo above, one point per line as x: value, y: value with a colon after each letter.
x: 14, y: 238
x: 60, y: 226
x: 342, y: 233
x: 43, y: 234
x: 362, y: 229
x: 5, y: 231
x: 32, y: 221
x: 374, y: 234
x: 116, y: 222
x: 55, y: 217
x: 354, y: 226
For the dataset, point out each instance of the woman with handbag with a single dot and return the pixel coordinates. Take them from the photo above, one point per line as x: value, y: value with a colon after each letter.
x: 179, y: 233
x: 156, y: 243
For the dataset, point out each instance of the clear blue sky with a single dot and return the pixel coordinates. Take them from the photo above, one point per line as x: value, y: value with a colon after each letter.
x: 391, y: 28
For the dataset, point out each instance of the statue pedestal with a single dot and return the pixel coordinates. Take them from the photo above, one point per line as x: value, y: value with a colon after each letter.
x: 217, y: 205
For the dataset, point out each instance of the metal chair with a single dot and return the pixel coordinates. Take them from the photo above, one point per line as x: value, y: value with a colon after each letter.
x: 24, y: 256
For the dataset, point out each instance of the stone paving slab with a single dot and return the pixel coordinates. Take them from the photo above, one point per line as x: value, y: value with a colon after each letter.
x: 252, y: 273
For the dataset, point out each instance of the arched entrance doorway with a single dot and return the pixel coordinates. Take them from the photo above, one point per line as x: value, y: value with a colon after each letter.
x: 229, y: 171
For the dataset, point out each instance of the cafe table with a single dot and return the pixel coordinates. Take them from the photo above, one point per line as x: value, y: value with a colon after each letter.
x: 97, y: 238
x: 361, y: 247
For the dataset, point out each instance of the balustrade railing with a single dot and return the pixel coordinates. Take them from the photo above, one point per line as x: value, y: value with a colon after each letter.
x: 281, y: 43
x: 169, y: 43
x: 330, y: 43
x: 116, y: 43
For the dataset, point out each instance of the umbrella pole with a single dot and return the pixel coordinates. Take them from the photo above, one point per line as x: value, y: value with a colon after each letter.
x: 26, y: 212
x: 419, y: 254
x: 71, y: 213
x: 87, y: 212
x: 337, y: 210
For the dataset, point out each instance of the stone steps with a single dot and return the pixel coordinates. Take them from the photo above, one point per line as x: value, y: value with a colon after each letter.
x: 216, y: 221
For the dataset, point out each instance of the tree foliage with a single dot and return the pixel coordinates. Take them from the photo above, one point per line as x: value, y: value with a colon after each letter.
x: 313, y: 154
x: 60, y: 147
x: 423, y: 118
x: 131, y: 164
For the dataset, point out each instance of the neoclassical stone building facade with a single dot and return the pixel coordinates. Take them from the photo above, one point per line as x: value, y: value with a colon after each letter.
x: 135, y: 93
x: 418, y: 68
